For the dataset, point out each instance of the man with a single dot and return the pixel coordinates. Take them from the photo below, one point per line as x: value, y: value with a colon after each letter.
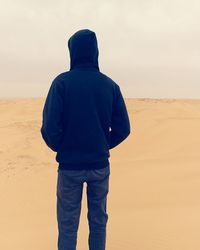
x: 84, y: 116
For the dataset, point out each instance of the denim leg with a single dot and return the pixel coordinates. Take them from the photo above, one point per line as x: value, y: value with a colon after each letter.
x: 69, y: 197
x: 97, y: 190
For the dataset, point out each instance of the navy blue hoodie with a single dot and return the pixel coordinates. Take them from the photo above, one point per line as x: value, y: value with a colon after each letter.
x: 84, y: 115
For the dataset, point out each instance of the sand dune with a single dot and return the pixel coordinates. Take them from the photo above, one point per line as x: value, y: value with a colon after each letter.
x: 153, y: 203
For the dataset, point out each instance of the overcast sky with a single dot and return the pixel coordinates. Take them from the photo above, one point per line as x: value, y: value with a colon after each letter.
x: 150, y: 48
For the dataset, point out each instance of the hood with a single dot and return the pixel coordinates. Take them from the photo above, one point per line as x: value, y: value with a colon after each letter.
x: 83, y: 49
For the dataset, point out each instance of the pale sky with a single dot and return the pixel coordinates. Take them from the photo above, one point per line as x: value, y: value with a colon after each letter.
x: 150, y: 48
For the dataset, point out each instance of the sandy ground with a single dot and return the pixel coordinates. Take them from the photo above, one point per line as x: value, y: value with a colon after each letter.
x: 154, y: 197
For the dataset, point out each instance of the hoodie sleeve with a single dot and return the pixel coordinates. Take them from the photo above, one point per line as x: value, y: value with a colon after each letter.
x: 120, y: 124
x: 52, y: 116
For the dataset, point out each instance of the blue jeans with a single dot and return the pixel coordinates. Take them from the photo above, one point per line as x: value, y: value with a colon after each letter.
x: 69, y: 197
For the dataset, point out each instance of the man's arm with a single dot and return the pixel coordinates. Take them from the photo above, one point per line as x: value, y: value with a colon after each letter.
x: 52, y: 116
x: 120, y: 123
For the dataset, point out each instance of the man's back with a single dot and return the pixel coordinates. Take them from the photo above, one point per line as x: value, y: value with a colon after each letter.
x: 84, y: 114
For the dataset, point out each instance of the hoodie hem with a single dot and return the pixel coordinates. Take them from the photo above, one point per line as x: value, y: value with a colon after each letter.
x: 82, y: 166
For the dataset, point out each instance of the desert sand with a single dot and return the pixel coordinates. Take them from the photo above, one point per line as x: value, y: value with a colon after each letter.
x: 154, y: 197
